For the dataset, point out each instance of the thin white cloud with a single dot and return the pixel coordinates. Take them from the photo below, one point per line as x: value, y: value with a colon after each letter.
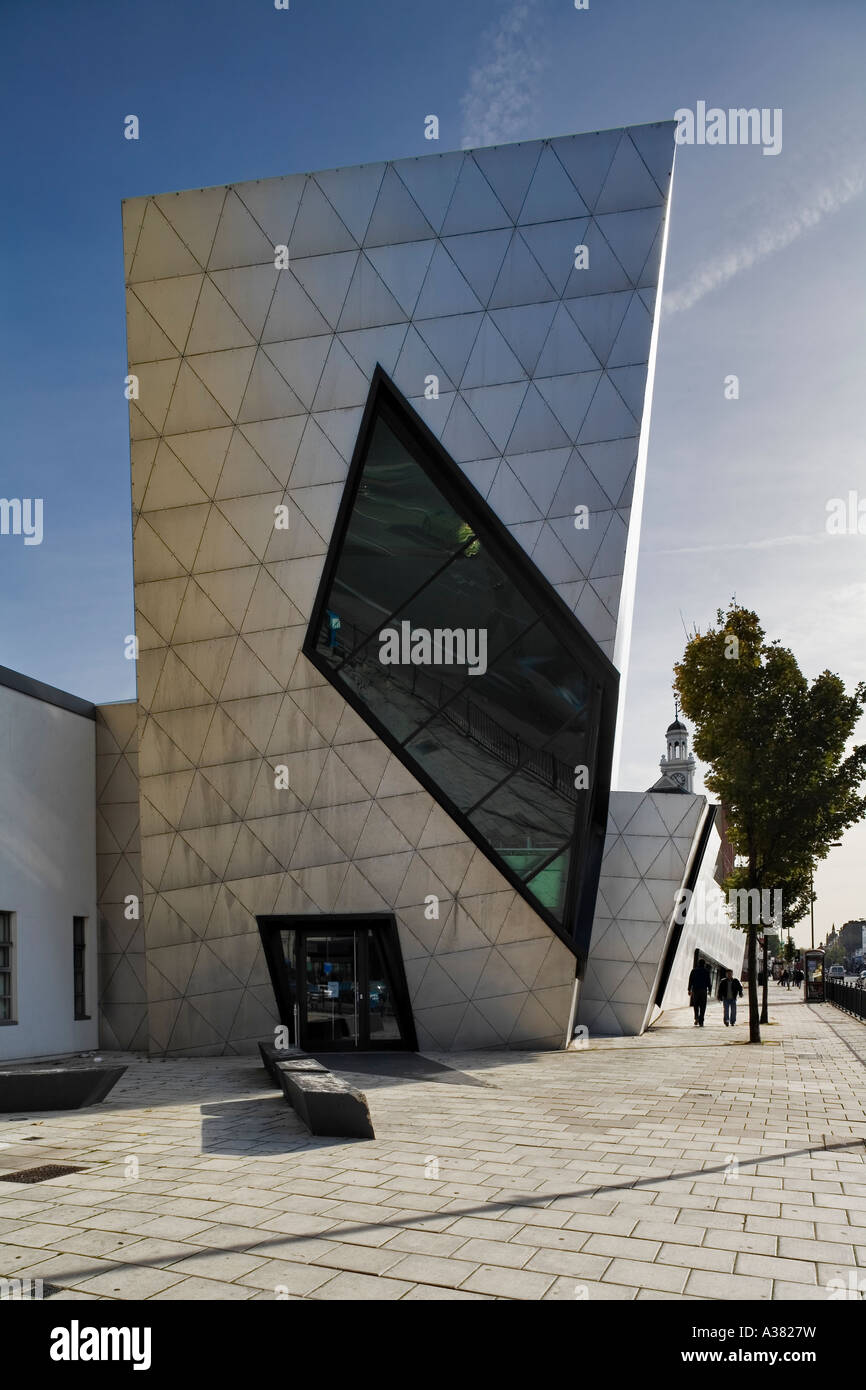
x: 823, y: 203
x: 501, y: 93
x: 767, y: 543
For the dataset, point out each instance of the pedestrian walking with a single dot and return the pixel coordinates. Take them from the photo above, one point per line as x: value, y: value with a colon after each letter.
x: 730, y: 990
x: 699, y: 988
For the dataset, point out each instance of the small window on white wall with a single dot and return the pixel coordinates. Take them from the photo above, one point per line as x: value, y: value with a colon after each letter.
x: 79, y: 949
x: 7, y: 967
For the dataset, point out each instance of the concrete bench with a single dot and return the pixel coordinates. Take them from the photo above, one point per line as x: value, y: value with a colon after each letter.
x: 327, y: 1105
x: 55, y: 1087
x: 271, y: 1055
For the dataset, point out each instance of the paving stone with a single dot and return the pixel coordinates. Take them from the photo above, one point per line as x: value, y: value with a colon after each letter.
x: 494, y: 1252
x: 569, y: 1263
x: 215, y: 1264
x: 366, y: 1259
x: 431, y: 1269
x: 683, y: 1234
x: 829, y: 1251
x: 489, y: 1229
x: 816, y: 1293
x: 587, y: 1290
x: 350, y: 1287
x: 622, y: 1245
x: 209, y: 1290
x: 508, y: 1283
x: 286, y: 1276
x: 131, y: 1282
x: 172, y: 1227
x: 647, y: 1276
x: 749, y: 1242
x: 707, y: 1284
x: 425, y: 1243
x: 697, y: 1257
x: 434, y: 1293
x: 546, y: 1238
x: 42, y: 1235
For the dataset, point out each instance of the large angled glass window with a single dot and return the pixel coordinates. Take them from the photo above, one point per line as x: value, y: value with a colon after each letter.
x: 436, y: 627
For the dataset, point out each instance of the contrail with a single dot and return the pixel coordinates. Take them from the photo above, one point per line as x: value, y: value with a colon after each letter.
x: 501, y: 92
x: 824, y: 203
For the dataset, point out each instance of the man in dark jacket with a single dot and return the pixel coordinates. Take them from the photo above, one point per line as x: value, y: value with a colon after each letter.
x: 730, y: 990
x: 699, y: 988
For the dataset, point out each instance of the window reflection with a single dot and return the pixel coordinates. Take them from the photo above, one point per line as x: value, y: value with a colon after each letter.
x: 502, y: 744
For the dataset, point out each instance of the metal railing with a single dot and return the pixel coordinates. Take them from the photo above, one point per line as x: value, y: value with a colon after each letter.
x: 851, y: 998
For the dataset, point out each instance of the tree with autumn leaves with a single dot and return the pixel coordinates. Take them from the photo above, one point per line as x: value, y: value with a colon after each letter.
x: 777, y: 749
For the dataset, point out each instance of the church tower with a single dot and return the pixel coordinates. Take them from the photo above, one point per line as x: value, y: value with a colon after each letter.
x: 678, y: 765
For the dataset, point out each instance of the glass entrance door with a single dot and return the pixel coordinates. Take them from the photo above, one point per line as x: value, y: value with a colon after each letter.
x: 339, y: 981
x: 331, y: 994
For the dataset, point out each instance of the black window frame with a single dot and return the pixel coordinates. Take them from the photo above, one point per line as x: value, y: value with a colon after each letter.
x: 79, y: 970
x: 8, y: 972
x: 587, y: 841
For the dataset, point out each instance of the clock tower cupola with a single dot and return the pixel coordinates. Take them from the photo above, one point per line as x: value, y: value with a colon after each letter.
x: 678, y: 764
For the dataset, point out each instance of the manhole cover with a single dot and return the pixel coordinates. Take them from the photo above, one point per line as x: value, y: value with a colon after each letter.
x: 43, y: 1173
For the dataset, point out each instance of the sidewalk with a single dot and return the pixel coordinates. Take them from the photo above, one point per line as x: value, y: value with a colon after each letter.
x: 683, y: 1164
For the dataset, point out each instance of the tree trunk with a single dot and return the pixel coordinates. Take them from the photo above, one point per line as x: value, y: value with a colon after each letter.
x: 754, y: 1024
x: 764, y: 1015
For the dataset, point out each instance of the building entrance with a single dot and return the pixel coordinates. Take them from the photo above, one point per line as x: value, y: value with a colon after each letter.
x: 339, y: 982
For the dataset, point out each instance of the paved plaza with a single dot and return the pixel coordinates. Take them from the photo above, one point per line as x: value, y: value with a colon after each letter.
x: 682, y: 1164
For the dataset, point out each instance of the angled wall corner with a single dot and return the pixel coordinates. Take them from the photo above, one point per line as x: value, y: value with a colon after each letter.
x: 657, y: 844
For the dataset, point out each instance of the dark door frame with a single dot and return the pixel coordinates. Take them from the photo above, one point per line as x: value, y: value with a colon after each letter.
x: 385, y: 926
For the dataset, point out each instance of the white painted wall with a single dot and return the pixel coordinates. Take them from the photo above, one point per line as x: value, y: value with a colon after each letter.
x: 47, y: 869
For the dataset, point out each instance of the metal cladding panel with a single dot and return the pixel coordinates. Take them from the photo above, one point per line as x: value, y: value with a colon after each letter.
x: 463, y: 276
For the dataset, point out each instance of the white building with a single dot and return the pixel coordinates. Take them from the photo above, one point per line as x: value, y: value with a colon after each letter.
x: 48, y: 914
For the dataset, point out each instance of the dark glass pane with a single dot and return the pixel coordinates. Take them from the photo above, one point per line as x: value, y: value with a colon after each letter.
x: 380, y: 994
x: 526, y: 812
x: 525, y: 698
x: 550, y: 884
x: 402, y: 530
x: 288, y: 941
x: 490, y: 692
x: 331, y: 983
x: 446, y: 617
x: 465, y: 769
x: 473, y: 594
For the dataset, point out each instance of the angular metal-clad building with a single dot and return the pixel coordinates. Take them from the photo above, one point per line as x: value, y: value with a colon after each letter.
x: 388, y: 432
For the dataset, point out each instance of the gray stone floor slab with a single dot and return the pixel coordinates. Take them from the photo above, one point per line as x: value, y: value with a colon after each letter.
x: 668, y: 1166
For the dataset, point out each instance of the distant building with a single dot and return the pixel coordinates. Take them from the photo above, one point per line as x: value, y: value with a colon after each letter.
x: 677, y: 765
x: 853, y: 936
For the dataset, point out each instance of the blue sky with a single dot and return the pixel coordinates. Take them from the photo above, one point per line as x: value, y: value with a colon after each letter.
x: 765, y: 279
